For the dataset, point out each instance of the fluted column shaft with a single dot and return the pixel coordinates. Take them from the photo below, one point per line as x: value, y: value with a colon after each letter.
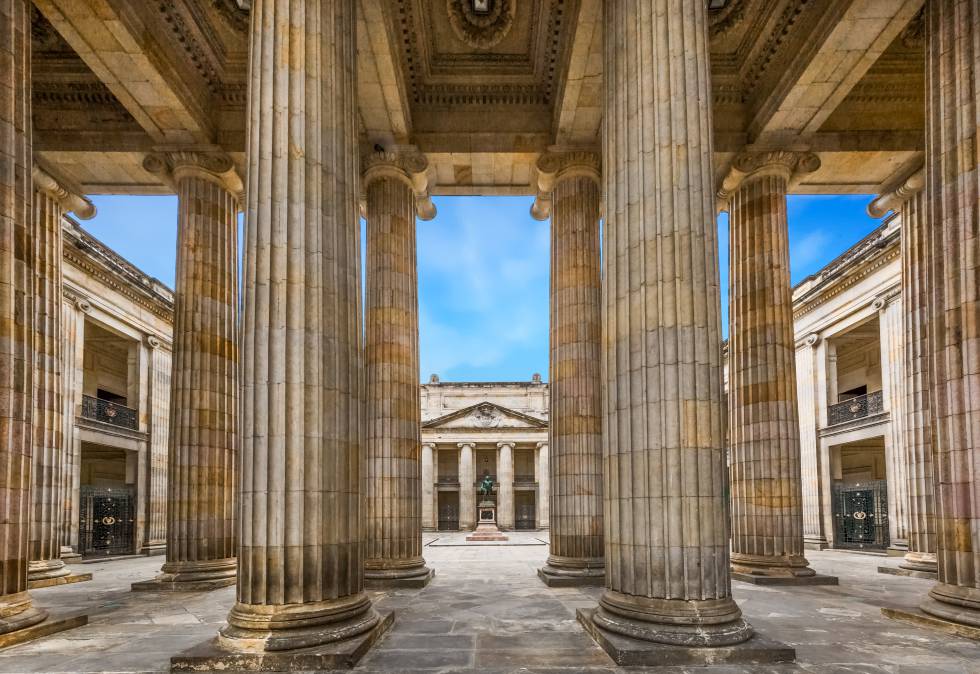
x: 393, y: 475
x: 467, y: 486
x: 574, y: 432
x: 201, y: 545
x: 505, y: 485
x: 544, y: 486
x: 429, y: 454
x: 766, y: 491
x: 892, y: 349
x: 917, y: 405
x: 667, y: 561
x: 16, y: 316
x: 50, y: 457
x: 300, y: 539
x: 953, y: 187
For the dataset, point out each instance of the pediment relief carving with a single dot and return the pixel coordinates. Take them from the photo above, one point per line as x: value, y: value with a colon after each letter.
x: 485, y: 416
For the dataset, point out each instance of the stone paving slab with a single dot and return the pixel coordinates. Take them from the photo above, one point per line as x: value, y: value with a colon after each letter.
x: 486, y: 611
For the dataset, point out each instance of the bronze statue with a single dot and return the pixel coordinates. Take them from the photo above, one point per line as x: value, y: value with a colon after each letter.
x: 486, y: 486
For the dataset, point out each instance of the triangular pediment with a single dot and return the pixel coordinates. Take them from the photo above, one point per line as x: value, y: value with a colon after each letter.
x: 485, y: 415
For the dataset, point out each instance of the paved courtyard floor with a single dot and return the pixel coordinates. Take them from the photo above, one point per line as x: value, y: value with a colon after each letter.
x: 486, y: 611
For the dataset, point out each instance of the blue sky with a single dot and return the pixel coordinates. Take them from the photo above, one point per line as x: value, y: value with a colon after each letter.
x: 483, y: 271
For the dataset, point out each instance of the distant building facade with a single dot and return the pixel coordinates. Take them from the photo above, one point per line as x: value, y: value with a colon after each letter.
x: 471, y: 430
x: 118, y: 324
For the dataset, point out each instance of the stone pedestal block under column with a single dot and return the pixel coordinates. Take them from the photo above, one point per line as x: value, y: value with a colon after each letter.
x: 203, y: 450
x: 952, y: 257
x: 668, y: 591
x: 766, y: 488
x: 570, y: 182
x: 20, y: 619
x: 393, y: 476
x: 300, y: 602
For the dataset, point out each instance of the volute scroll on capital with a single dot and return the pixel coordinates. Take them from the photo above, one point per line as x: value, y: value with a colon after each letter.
x: 791, y: 165
x: 894, y: 198
x: 206, y: 164
x: 69, y: 200
x: 408, y: 166
x: 555, y: 166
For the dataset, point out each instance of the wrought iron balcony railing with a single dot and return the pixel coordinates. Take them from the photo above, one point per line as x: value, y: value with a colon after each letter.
x: 856, y: 408
x: 109, y: 413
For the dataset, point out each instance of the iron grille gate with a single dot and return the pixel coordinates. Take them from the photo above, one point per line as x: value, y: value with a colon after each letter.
x: 526, y: 513
x: 448, y: 517
x: 861, y: 515
x: 107, y: 520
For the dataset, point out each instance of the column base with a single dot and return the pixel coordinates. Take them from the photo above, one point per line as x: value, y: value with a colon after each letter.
x: 815, y: 543
x: 920, y: 561
x: 627, y: 651
x: 191, y: 577
x: 909, y: 573
x: 573, y: 572
x: 21, y: 621
x: 773, y: 570
x: 69, y: 556
x: 154, y: 548
x: 46, y: 569
x: 413, y: 577
x: 343, y: 654
x: 692, y: 624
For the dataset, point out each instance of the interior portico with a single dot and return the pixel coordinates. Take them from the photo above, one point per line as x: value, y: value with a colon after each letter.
x: 299, y: 401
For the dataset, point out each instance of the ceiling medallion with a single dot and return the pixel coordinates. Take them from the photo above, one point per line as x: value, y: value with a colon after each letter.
x: 481, y: 23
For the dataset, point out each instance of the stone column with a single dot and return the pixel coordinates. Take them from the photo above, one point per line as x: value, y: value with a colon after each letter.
x: 809, y: 391
x: 52, y: 450
x: 467, y: 486
x: 544, y: 486
x: 300, y: 550
x: 73, y: 332
x: 393, y: 479
x: 429, y: 453
x: 16, y: 317
x: 154, y: 471
x: 574, y: 434
x: 203, y: 442
x: 505, y: 485
x: 908, y: 200
x: 663, y: 437
x: 953, y: 265
x: 764, y: 427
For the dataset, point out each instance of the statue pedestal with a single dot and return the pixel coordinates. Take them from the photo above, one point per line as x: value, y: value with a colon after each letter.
x: 486, y: 527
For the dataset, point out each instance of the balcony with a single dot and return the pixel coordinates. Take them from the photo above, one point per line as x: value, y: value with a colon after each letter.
x: 856, y: 408
x: 106, y: 412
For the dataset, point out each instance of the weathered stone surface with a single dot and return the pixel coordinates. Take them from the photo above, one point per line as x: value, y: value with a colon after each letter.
x: 201, y: 542
x: 767, y: 511
x: 661, y: 357
x: 953, y: 258
x: 16, y: 318
x: 301, y: 548
x: 393, y: 471
x: 574, y: 428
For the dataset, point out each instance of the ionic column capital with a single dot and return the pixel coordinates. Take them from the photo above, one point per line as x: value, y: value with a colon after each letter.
x: 750, y: 165
x: 174, y: 165
x: 67, y: 199
x: 462, y: 445
x: 406, y: 165
x: 898, y: 194
x: 508, y: 444
x: 430, y: 445
x: 556, y: 165
x: 541, y: 445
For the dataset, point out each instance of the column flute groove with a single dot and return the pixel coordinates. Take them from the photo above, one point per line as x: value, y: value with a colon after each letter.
x: 909, y: 200
x: 663, y: 433
x: 393, y: 475
x: 300, y: 555
x: 571, y: 182
x: 764, y: 427
x: 52, y: 460
x: 201, y: 545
